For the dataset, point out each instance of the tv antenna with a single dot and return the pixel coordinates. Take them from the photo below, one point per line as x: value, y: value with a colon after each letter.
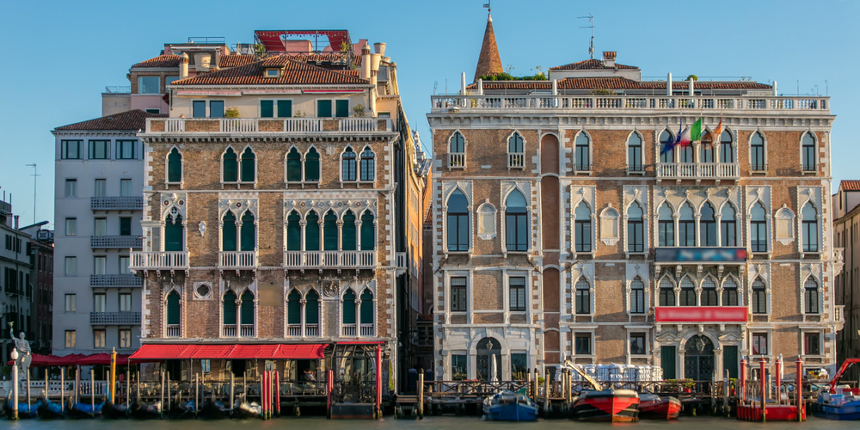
x: 590, y: 25
x: 35, y: 175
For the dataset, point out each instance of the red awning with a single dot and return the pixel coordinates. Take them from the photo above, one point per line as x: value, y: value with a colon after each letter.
x: 359, y: 342
x: 103, y: 358
x: 229, y: 352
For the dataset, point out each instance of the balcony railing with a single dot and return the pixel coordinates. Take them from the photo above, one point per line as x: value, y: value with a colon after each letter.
x: 368, y: 330
x: 474, y: 103
x: 173, y: 330
x: 116, y: 242
x: 228, y: 330
x: 329, y: 259
x: 268, y: 125
x: 457, y: 160
x: 247, y: 330
x: 691, y: 255
x: 701, y: 314
x: 516, y: 161
x: 237, y: 260
x: 839, y: 313
x: 124, y: 280
x: 159, y: 260
x: 312, y: 330
x: 115, y: 318
x: 119, y: 203
x: 294, y: 330
x: 698, y: 170
x: 348, y: 330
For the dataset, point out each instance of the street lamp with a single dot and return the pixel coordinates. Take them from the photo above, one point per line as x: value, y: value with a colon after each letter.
x: 14, y: 357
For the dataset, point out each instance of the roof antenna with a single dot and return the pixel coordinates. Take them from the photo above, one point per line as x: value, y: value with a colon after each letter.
x: 590, y: 25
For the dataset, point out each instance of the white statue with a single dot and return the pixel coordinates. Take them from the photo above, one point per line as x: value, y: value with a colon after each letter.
x: 24, y: 352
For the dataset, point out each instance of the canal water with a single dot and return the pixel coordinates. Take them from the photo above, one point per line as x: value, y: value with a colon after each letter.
x: 389, y: 423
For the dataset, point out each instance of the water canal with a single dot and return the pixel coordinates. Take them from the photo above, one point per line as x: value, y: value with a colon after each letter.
x: 389, y: 423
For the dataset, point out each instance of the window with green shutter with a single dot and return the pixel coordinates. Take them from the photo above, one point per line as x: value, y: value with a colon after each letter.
x: 173, y: 308
x: 229, y: 313
x: 342, y: 108
x: 312, y: 311
x: 228, y: 232
x: 294, y: 232
x: 174, y: 233
x: 231, y: 166
x: 294, y: 307
x: 312, y: 232
x: 248, y: 163
x: 367, y: 307
x: 324, y: 108
x: 174, y: 166
x: 349, y: 307
x: 330, y: 232
x: 267, y: 109
x: 249, y: 232
x: 247, y: 309
x: 285, y: 108
x: 312, y: 165
x: 368, y: 239
x: 294, y: 166
x: 347, y: 232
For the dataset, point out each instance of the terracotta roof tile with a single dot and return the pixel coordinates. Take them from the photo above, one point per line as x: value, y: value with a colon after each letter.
x: 590, y: 64
x: 293, y: 72
x: 160, y: 61
x: 850, y: 185
x: 489, y: 62
x: 355, y: 72
x: 129, y: 120
x: 236, y: 60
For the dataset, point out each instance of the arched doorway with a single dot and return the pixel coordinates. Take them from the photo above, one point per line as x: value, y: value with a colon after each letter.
x: 699, y: 359
x: 487, y: 349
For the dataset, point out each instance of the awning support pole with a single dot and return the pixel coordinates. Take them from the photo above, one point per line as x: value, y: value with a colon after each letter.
x: 378, y: 381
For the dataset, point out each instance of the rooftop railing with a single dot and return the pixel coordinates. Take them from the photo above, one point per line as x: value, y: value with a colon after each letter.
x: 268, y: 125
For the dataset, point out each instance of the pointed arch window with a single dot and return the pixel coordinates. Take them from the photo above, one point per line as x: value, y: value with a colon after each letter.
x: 457, y: 151
x: 312, y: 165
x: 368, y: 236
x: 685, y: 153
x: 730, y: 292
x: 516, y: 222
x: 709, y: 292
x: 810, y: 228
x: 810, y: 297
x: 667, y: 293
x: 347, y: 165
x: 368, y: 164
x: 727, y: 153
x: 294, y: 310
x: 758, y: 228
x: 230, y: 169
x: 516, y: 152
x: 347, y: 232
x: 294, y: 232
x: 294, y: 165
x: 582, y: 228
x: 808, y: 151
x: 667, y: 151
x: 348, y: 313
x: 582, y: 155
x: 759, y: 297
x: 228, y: 232
x: 366, y: 313
x: 174, y: 233
x: 688, y: 292
x: 637, y: 296
x: 174, y: 316
x: 635, y: 228
x: 330, y: 231
x: 707, y: 226
x: 583, y: 297
x: 246, y: 313
x: 228, y: 315
x: 706, y: 151
x: 686, y: 226
x: 665, y: 226
x: 458, y: 222
x: 312, y: 231
x: 757, y: 153
x: 312, y: 313
x: 728, y: 226
x: 248, y: 232
x: 174, y: 166
x: 634, y: 153
x: 248, y: 168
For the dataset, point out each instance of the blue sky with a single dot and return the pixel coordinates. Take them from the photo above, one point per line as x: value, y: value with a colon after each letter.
x: 61, y: 55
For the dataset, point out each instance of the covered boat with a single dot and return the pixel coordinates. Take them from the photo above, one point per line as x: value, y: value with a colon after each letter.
x: 509, y: 406
x: 652, y: 406
x: 617, y: 406
x: 840, y: 403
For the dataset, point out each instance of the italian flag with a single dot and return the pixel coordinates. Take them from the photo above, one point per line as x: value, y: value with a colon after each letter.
x: 691, y: 134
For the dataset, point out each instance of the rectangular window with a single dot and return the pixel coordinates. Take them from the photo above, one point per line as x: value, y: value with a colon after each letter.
x: 71, y: 187
x: 324, y: 108
x: 216, y: 109
x: 758, y: 236
x: 342, y: 108
x: 634, y: 157
x: 125, y: 149
x: 70, y: 338
x: 582, y: 344
x: 519, y: 367
x: 125, y: 338
x: 152, y: 110
x: 123, y: 265
x: 99, y: 265
x: 99, y: 338
x: 206, y: 366
x: 71, y: 303
x: 99, y: 302
x: 517, y: 290
x: 583, y: 161
x: 71, y: 149
x: 125, y: 226
x: 458, y: 294
x: 267, y: 109
x: 125, y: 187
x: 71, y: 226
x: 687, y: 233
x: 125, y: 302
x: 759, y: 343
x: 285, y: 108
x: 728, y: 233
x: 71, y: 266
x: 757, y: 157
x: 100, y: 188
x: 666, y: 233
x: 582, y: 231
x: 148, y: 85
x: 458, y: 367
x: 198, y: 109
x: 100, y: 227
x: 812, y: 343
x: 99, y: 149
x: 637, y: 343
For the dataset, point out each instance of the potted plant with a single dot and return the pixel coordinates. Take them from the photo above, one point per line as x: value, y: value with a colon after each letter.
x: 359, y: 110
x: 231, y: 112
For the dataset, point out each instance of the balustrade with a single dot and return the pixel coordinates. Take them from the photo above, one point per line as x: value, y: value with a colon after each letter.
x: 159, y: 260
x: 173, y: 330
x: 329, y: 259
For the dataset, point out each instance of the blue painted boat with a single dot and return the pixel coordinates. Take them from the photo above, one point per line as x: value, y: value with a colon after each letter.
x: 509, y: 406
x: 24, y: 411
x: 841, y: 404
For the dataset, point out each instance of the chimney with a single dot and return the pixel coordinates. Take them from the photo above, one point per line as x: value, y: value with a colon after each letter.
x: 463, y: 84
x: 480, y: 87
x: 374, y: 67
x: 609, y: 58
x: 379, y: 48
x: 183, y: 66
x: 669, y: 85
x: 775, y: 93
x: 365, y: 62
x: 692, y: 92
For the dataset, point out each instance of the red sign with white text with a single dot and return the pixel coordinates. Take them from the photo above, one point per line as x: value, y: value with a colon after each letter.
x: 700, y: 314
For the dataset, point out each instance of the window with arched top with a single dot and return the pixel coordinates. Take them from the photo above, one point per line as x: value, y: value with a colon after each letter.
x: 609, y: 226
x: 637, y: 296
x: 634, y: 153
x: 246, y: 312
x: 248, y: 232
x: 807, y: 149
x: 707, y: 226
x: 457, y: 151
x: 312, y: 231
x: 228, y: 232
x: 174, y: 315
x: 348, y: 313
x: 784, y: 225
x: 685, y: 153
x: 665, y: 226
x: 706, y: 148
x: 810, y: 297
x: 688, y: 292
x: 758, y: 228
x: 730, y: 292
x: 312, y: 165
x: 516, y: 152
x: 667, y: 293
x: 174, y: 233
x: 368, y: 231
x: 810, y: 228
x: 583, y: 297
x: 230, y: 166
x: 458, y: 231
x: 348, y: 232
x: 294, y: 308
x: 516, y: 222
x: 368, y: 165
x: 728, y: 226
x: 228, y: 303
x: 330, y: 231
x: 759, y: 297
x: 294, y: 165
x: 667, y: 149
x: 686, y: 226
x: 486, y: 221
x: 582, y: 228
x: 709, y: 292
x: 635, y: 228
x: 312, y: 313
x: 582, y: 153
x: 294, y: 231
x: 366, y: 310
x: 757, y: 152
x: 174, y: 166
x: 727, y: 153
x: 248, y: 168
x: 347, y: 164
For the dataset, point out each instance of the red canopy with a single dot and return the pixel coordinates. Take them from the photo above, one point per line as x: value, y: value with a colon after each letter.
x: 39, y: 360
x: 273, y: 40
x: 229, y: 351
x: 103, y: 358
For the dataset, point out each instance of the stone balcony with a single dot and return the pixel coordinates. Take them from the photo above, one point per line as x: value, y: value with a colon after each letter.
x: 273, y: 126
x: 237, y: 260
x: 302, y: 260
x: 698, y: 171
x: 159, y: 260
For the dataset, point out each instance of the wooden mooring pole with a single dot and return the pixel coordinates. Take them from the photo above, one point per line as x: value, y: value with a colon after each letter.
x: 799, y: 388
x: 762, y: 381
x: 421, y: 394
